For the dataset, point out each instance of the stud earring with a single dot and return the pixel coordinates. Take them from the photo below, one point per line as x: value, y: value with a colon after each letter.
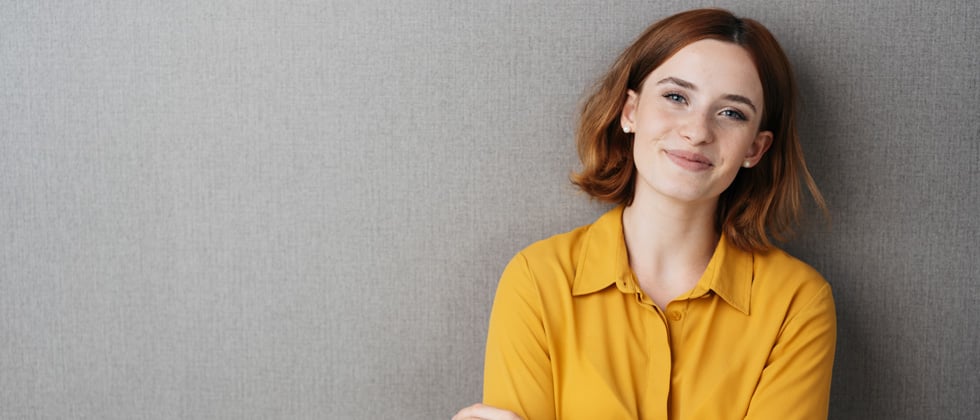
x: 626, y: 129
x: 747, y: 164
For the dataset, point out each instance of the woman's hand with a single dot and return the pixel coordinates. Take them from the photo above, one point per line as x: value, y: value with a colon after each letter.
x: 485, y: 412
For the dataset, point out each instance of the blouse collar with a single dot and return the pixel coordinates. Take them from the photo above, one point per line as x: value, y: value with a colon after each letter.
x: 604, y: 262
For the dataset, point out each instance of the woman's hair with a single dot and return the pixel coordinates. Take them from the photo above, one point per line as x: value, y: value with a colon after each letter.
x: 762, y: 201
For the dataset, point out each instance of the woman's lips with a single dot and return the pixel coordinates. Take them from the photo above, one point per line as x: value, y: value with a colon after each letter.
x: 689, y: 160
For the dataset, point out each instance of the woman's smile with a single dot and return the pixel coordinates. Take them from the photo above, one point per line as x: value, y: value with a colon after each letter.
x: 691, y: 161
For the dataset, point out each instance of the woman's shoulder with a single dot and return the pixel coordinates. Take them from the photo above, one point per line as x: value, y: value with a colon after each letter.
x: 546, y: 267
x: 776, y: 261
x: 571, y: 260
x: 552, y: 262
x: 604, y: 232
x: 776, y: 272
x: 558, y: 245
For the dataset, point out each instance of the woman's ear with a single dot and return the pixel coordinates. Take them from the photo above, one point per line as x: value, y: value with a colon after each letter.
x: 627, y: 118
x: 758, y: 148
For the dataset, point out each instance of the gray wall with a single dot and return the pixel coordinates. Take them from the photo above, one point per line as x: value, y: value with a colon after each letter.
x: 248, y: 209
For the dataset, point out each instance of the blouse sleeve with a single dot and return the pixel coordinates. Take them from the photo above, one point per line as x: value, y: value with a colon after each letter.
x: 517, y: 371
x: 796, y: 380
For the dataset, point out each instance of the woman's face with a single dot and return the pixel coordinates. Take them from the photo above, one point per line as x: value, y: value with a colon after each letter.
x: 696, y: 123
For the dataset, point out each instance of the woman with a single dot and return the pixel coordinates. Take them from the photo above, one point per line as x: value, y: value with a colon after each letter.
x: 674, y: 304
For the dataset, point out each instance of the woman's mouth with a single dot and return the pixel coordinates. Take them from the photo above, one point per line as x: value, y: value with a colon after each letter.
x: 691, y: 161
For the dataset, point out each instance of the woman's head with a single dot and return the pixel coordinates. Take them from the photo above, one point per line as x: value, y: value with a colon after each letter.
x: 762, y: 200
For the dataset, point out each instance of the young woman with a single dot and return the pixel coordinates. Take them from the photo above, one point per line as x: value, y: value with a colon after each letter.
x: 675, y: 304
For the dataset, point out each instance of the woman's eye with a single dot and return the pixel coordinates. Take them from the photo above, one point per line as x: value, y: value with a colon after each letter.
x: 731, y: 113
x: 673, y: 97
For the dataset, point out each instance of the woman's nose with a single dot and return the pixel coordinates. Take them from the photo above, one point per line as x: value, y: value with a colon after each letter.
x: 695, y: 128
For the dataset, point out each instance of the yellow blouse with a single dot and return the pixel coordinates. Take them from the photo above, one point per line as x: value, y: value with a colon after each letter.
x: 572, y: 336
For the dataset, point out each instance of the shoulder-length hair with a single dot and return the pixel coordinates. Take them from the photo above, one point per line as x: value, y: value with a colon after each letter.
x: 762, y: 201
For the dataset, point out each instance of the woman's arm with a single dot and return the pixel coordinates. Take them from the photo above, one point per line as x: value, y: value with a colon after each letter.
x: 517, y: 371
x: 795, y: 383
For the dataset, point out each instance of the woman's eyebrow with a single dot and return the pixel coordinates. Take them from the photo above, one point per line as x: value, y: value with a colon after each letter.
x: 679, y: 82
x: 688, y: 85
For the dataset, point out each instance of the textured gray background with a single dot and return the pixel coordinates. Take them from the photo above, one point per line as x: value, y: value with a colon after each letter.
x: 299, y: 209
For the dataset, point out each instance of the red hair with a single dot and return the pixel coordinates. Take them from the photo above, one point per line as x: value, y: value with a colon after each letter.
x: 763, y: 201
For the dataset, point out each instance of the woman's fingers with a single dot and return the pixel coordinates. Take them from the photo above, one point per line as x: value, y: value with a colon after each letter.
x: 485, y: 412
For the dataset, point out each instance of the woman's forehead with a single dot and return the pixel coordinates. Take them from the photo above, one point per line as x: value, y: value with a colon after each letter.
x: 712, y: 66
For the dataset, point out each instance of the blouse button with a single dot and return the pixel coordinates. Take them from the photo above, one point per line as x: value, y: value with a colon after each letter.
x: 676, y: 316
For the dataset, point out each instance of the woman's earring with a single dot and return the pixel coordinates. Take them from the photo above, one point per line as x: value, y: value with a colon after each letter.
x: 747, y: 164
x: 626, y: 128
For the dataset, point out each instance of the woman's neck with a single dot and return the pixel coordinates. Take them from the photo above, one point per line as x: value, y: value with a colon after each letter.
x: 669, y: 244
